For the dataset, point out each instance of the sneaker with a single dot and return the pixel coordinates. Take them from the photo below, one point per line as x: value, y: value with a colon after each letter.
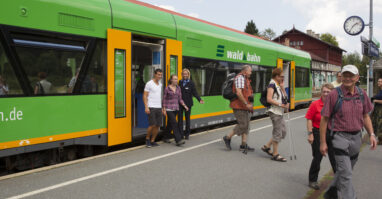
x: 148, y: 144
x: 314, y: 185
x: 154, y: 144
x: 181, y: 142
x: 242, y: 147
x: 227, y: 142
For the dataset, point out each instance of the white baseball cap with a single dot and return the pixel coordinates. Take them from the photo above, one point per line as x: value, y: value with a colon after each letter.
x: 350, y: 68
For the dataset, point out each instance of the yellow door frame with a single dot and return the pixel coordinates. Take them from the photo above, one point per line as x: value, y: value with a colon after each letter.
x: 173, y: 48
x: 119, y: 126
x: 292, y: 85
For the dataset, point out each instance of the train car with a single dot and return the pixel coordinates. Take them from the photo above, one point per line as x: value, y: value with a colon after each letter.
x: 73, y: 72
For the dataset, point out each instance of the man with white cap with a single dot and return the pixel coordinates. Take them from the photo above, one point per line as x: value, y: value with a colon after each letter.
x: 345, y: 113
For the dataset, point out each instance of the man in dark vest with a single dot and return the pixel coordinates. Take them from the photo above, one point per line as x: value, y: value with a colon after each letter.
x: 188, y: 91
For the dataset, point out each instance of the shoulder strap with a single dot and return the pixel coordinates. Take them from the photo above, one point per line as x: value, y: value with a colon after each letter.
x: 361, y: 95
x: 338, y: 102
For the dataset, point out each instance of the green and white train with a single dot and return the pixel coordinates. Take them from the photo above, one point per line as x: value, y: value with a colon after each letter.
x: 98, y: 54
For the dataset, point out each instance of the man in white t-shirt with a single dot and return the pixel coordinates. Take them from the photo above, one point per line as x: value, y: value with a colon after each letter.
x: 338, y: 81
x: 152, y: 98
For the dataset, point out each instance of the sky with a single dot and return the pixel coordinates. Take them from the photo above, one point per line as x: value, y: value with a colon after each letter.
x: 321, y: 16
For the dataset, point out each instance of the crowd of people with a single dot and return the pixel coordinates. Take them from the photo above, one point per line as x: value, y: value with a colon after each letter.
x: 334, y: 122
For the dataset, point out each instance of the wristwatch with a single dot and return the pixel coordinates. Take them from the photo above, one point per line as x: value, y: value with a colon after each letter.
x: 310, y: 132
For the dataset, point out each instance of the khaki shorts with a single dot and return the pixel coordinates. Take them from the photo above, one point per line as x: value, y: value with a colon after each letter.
x: 279, y: 129
x: 243, y: 118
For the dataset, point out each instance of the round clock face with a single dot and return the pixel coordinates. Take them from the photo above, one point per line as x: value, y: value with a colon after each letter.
x: 354, y: 25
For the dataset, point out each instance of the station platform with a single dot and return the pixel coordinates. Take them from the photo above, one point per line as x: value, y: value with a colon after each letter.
x: 202, y: 168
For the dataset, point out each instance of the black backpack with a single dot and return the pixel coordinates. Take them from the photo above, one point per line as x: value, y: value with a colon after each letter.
x: 227, y: 88
x: 263, y: 97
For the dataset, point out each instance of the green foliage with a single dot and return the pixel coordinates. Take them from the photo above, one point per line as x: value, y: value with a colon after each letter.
x: 327, y: 37
x: 268, y: 34
x: 356, y: 60
x: 251, y: 28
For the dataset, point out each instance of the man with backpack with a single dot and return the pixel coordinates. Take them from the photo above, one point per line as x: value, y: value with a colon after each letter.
x: 242, y: 107
x: 345, y: 113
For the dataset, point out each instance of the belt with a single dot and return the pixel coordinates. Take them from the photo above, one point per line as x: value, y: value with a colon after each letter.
x: 349, y: 132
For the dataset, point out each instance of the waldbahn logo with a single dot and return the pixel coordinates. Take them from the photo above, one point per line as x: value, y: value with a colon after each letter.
x: 237, y: 55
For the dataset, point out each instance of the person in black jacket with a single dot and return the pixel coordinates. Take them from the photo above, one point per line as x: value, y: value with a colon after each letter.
x: 188, y: 90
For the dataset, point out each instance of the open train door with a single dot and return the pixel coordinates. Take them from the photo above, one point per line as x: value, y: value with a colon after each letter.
x: 118, y: 86
x: 173, y: 58
x: 292, y: 84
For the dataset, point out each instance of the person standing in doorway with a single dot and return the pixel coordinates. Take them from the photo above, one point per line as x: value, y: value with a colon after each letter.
x: 152, y: 98
x: 313, y: 116
x: 172, y: 98
x: 338, y: 81
x: 242, y: 107
x: 188, y: 89
x: 346, y: 123
x: 277, y: 97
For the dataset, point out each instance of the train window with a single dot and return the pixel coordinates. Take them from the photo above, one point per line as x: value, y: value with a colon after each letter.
x: 9, y: 85
x: 207, y: 74
x: 95, y: 79
x: 260, y: 78
x: 51, y: 65
x: 302, y: 77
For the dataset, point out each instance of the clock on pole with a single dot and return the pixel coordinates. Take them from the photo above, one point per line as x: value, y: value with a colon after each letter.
x: 354, y: 25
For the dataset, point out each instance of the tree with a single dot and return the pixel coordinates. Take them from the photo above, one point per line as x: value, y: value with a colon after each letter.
x: 251, y: 28
x: 268, y: 34
x: 329, y: 38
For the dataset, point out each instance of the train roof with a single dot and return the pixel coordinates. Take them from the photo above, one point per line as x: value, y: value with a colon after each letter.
x: 92, y: 17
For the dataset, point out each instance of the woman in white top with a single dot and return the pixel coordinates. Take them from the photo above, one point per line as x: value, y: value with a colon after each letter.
x: 277, y: 97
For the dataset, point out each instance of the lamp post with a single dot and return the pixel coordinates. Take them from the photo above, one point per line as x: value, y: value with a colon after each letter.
x: 371, y: 58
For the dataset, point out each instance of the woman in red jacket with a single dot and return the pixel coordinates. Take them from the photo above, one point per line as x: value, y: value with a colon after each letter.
x: 313, y: 117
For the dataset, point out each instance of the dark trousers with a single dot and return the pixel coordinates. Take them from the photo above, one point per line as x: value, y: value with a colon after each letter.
x: 317, y: 156
x: 185, y: 133
x: 172, y: 124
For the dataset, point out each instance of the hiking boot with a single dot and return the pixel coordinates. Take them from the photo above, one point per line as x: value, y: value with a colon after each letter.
x: 181, y: 142
x: 314, y: 185
x: 148, y: 144
x: 331, y: 193
x: 242, y: 148
x: 227, y: 142
x: 154, y: 144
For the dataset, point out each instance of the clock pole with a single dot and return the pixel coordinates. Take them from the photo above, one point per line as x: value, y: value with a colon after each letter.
x: 371, y: 58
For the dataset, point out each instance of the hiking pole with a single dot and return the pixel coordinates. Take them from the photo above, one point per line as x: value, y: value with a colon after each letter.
x: 290, y: 138
x: 291, y: 135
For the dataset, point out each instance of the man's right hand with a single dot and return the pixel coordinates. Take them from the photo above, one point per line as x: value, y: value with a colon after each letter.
x: 147, y: 110
x: 249, y: 106
x: 323, y: 148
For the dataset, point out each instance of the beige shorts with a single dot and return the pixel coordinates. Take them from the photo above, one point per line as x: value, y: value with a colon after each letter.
x: 279, y: 129
x: 242, y: 118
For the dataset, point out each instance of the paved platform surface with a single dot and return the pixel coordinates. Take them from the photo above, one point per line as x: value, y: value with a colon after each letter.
x: 202, y: 168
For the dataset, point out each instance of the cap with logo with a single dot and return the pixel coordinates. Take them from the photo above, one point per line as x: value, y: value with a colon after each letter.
x: 350, y: 68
